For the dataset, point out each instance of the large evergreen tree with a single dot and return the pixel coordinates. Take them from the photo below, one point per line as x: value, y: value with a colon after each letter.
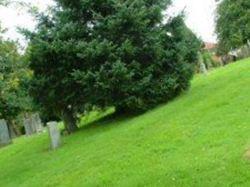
x: 109, y: 53
x: 233, y: 24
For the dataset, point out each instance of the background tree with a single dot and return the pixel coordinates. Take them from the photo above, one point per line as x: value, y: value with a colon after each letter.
x: 14, y: 78
x: 233, y: 24
x: 109, y: 53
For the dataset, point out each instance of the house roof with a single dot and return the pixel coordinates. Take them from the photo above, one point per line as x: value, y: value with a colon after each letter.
x: 209, y: 46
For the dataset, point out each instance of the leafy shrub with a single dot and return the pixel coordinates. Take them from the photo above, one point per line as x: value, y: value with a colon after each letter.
x: 209, y: 61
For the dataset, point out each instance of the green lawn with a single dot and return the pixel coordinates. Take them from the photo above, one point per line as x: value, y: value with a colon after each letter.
x: 199, y: 139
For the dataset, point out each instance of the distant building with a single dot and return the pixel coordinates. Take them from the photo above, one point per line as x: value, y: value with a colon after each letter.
x: 211, y: 47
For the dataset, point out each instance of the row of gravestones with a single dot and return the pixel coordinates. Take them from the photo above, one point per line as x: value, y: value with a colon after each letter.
x: 53, y: 130
x: 32, y: 125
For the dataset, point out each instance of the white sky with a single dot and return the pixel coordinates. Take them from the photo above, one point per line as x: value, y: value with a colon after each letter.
x: 199, y: 17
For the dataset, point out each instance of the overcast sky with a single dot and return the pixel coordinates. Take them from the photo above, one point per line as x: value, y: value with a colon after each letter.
x: 199, y: 17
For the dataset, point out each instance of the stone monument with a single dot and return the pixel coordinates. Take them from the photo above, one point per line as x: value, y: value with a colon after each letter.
x: 4, y: 133
x: 54, y: 134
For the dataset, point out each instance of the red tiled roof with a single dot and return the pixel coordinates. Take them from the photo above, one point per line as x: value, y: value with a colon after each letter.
x: 209, y: 46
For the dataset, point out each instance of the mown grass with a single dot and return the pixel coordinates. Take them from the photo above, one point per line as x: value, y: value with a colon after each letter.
x: 199, y: 139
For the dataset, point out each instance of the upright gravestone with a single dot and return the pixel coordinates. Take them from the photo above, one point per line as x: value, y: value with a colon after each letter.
x: 54, y: 133
x: 32, y: 124
x: 28, y: 126
x: 4, y: 133
x: 37, y: 123
x: 202, y: 66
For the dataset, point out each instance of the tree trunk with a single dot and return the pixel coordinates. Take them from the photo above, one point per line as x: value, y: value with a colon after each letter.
x: 70, y: 121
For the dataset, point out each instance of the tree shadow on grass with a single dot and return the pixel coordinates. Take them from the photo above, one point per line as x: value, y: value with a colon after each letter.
x: 106, y: 121
x: 108, y: 118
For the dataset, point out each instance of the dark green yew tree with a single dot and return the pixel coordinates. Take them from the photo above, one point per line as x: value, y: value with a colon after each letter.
x: 109, y: 53
x: 233, y: 24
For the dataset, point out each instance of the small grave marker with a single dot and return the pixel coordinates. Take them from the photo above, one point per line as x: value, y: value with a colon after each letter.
x: 54, y: 133
x: 4, y: 133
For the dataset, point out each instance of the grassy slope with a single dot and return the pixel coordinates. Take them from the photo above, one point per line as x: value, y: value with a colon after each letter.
x: 197, y: 140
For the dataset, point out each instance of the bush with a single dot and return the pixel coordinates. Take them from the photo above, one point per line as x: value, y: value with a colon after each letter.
x: 209, y: 61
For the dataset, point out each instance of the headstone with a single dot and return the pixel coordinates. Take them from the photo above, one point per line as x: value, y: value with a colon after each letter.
x: 32, y: 124
x: 37, y: 123
x: 54, y: 133
x: 203, y: 68
x: 28, y: 126
x: 4, y: 133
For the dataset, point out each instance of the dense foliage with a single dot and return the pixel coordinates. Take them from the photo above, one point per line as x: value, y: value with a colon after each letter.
x: 14, y: 78
x: 209, y: 61
x: 109, y: 53
x: 233, y: 24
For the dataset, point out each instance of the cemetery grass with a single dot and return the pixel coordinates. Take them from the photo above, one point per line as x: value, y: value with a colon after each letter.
x: 199, y: 139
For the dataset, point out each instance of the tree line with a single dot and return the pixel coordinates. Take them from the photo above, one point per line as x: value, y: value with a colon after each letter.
x: 233, y: 24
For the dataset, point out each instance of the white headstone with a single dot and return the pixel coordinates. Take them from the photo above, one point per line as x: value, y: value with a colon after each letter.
x: 4, y: 133
x: 54, y: 133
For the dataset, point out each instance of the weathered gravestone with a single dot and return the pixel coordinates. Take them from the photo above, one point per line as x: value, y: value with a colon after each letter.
x: 28, y: 126
x: 54, y: 133
x: 4, y: 133
x: 32, y: 124
x: 202, y: 66
x: 37, y: 123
